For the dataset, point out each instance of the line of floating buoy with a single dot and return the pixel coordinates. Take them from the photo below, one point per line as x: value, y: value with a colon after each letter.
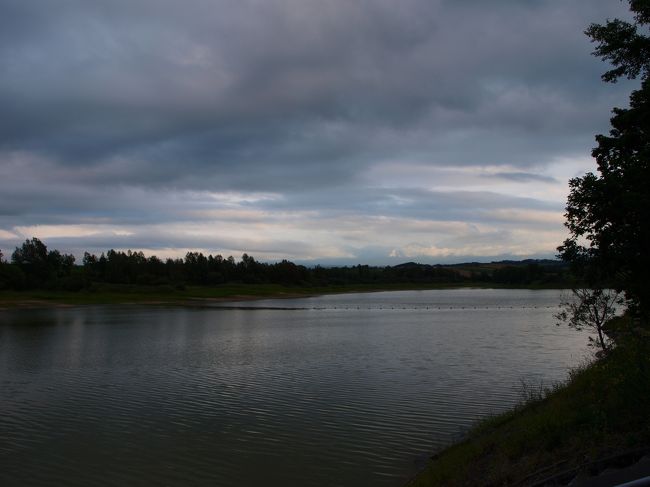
x: 370, y: 308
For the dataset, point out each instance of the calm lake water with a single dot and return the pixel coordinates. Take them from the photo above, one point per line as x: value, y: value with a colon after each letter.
x: 347, y: 390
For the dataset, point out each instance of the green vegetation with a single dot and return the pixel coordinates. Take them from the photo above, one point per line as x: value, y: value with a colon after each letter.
x: 601, y: 411
x: 608, y: 213
x: 38, y: 274
x: 591, y: 309
x: 199, y: 295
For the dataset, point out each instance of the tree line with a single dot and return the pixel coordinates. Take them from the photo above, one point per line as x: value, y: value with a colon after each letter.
x: 33, y: 266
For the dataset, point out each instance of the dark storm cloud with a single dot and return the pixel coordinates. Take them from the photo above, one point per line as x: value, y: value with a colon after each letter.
x: 416, y: 203
x: 232, y: 87
x: 119, y: 111
x: 160, y: 240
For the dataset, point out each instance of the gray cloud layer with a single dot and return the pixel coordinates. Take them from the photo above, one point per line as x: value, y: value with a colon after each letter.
x: 298, y: 99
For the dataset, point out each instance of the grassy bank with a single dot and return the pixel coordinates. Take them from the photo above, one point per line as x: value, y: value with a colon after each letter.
x: 194, y: 295
x: 602, y: 410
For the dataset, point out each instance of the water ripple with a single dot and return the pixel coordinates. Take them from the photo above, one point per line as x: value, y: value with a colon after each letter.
x: 339, y: 390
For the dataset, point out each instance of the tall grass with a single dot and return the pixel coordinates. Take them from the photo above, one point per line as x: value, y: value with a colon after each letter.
x: 602, y: 409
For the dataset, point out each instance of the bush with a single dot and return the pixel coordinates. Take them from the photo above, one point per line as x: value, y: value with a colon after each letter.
x: 12, y: 277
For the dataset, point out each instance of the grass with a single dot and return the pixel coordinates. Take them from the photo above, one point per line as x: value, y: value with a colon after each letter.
x: 119, y: 294
x: 602, y: 410
x: 134, y: 294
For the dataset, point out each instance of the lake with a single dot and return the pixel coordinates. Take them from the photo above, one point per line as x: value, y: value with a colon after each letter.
x: 339, y: 390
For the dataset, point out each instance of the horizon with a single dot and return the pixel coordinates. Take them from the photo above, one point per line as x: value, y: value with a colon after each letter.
x: 374, y: 133
x: 6, y: 256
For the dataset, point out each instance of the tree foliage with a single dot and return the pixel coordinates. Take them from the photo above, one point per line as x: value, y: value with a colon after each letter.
x: 590, y: 309
x: 608, y: 213
x: 34, y: 267
x: 39, y: 266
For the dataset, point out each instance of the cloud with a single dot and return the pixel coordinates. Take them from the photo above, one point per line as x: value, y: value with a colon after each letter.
x: 144, y: 113
x: 523, y: 177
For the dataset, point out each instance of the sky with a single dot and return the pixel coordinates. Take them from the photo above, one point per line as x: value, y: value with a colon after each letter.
x: 319, y: 131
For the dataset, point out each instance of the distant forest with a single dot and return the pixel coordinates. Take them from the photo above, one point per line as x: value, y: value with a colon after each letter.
x: 33, y: 266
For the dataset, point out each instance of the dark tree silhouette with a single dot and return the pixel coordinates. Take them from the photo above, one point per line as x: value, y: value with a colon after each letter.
x: 31, y: 257
x: 40, y: 266
x: 608, y: 213
x: 591, y: 309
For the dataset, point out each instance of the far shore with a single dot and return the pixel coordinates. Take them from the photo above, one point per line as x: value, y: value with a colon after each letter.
x: 204, y: 296
x: 31, y: 303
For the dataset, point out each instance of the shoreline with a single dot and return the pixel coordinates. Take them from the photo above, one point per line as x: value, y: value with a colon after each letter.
x: 198, y: 297
x: 592, y: 426
x: 173, y: 302
x: 579, y: 428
